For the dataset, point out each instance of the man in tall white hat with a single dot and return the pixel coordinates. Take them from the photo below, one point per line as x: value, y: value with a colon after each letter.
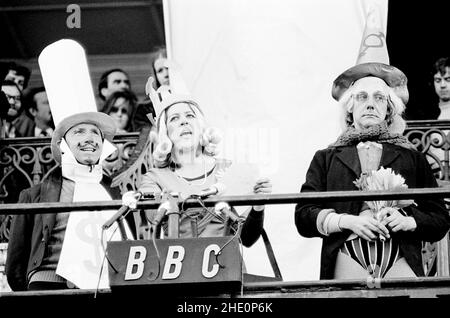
x: 361, y: 242
x: 61, y: 250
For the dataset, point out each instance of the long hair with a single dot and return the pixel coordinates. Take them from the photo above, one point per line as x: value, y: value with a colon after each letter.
x: 440, y: 66
x: 20, y: 70
x: 128, y: 96
x: 159, y: 52
x: 162, y: 155
x: 395, y: 109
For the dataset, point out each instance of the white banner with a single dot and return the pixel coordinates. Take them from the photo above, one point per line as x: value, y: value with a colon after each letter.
x: 262, y: 71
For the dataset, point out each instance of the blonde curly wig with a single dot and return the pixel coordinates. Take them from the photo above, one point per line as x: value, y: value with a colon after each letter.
x: 162, y: 154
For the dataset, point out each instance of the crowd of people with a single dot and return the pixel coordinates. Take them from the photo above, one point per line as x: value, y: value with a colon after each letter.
x: 356, y: 244
x: 25, y: 111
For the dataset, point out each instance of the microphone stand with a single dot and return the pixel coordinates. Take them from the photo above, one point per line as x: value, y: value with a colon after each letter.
x: 173, y: 214
x: 174, y: 217
x: 224, y: 209
x: 119, y: 216
x: 122, y: 230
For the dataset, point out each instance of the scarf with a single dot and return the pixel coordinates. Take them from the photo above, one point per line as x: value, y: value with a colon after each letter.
x: 82, y: 254
x: 377, y: 133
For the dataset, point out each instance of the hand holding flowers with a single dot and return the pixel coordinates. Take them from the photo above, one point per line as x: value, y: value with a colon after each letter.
x: 364, y: 225
x: 396, y: 221
x: 387, y: 211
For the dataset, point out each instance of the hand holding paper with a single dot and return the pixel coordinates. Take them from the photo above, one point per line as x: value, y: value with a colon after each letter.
x: 262, y: 185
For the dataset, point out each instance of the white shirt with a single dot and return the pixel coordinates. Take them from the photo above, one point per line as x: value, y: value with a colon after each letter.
x: 445, y: 110
x: 38, y: 131
x: 9, y: 129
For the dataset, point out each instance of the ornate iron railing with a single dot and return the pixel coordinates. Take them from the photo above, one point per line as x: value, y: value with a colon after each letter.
x: 336, y: 288
x: 432, y: 137
x: 27, y: 161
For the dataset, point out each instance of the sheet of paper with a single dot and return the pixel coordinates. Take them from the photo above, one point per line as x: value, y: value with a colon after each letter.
x: 239, y: 179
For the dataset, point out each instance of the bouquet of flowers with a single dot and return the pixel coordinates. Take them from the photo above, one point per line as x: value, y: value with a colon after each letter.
x: 382, y: 179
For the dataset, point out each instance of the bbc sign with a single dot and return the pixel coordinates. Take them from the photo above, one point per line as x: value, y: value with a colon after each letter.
x: 207, y: 262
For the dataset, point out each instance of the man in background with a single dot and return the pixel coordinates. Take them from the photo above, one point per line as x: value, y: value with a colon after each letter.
x: 19, y: 74
x: 36, y: 121
x: 111, y: 81
x: 441, y: 80
x: 14, y: 97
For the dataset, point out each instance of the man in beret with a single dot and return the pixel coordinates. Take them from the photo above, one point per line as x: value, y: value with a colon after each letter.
x: 36, y: 241
x: 356, y: 244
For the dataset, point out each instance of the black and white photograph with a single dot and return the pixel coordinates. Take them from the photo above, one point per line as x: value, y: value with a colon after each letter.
x: 224, y: 156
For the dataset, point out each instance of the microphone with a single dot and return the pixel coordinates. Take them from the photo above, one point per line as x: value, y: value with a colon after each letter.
x: 118, y: 215
x: 224, y: 208
x: 161, y: 212
x: 216, y: 189
x: 128, y: 198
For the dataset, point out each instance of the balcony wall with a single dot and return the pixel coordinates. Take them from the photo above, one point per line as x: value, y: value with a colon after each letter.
x: 29, y: 161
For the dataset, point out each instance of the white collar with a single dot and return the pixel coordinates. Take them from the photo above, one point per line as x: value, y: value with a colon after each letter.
x: 73, y: 170
x: 444, y: 105
x: 369, y: 144
x: 38, y: 131
x: 10, y: 130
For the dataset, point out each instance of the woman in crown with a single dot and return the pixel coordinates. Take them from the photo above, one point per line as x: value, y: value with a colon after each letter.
x: 184, y: 162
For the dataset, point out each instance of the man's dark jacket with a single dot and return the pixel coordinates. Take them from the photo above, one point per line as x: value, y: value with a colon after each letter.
x: 30, y: 233
x: 24, y: 125
x: 335, y: 169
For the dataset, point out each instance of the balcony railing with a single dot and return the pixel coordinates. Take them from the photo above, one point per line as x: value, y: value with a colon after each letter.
x: 432, y: 138
x: 27, y: 161
x: 413, y: 287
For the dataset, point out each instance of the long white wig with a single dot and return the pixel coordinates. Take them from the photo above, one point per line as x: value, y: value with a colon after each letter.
x: 395, y: 109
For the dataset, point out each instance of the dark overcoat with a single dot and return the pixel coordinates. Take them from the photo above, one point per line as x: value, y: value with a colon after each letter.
x: 335, y: 169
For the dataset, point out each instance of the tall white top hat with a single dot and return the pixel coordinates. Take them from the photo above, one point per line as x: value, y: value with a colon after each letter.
x: 373, y: 60
x: 70, y: 94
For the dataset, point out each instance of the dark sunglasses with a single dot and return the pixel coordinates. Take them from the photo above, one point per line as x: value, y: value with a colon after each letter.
x: 16, y: 98
x: 122, y: 110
